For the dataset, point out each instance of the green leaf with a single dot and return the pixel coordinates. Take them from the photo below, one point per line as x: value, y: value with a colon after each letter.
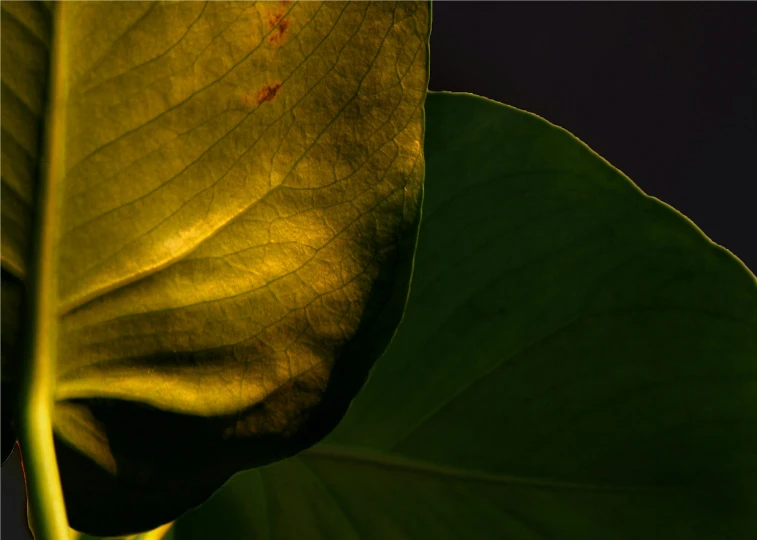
x: 577, y: 360
x: 237, y: 213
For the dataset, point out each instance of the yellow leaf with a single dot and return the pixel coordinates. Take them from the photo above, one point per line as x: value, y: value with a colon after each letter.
x: 238, y: 200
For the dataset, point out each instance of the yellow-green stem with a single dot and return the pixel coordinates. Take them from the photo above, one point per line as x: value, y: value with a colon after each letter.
x: 47, y: 511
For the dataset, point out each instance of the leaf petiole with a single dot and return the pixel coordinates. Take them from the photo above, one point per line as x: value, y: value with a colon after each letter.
x: 47, y: 511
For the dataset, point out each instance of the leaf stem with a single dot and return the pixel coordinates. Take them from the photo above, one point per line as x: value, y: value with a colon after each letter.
x: 47, y: 512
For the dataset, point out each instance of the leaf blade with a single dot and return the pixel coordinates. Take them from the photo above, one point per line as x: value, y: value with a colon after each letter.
x: 238, y: 220
x: 224, y: 317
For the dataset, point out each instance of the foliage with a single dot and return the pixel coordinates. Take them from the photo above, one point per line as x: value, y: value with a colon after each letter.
x: 231, y: 202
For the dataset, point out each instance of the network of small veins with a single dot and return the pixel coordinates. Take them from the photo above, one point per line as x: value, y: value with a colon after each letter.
x: 265, y: 95
x: 279, y: 25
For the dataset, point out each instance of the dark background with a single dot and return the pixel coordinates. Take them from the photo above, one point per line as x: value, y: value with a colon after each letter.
x: 666, y: 92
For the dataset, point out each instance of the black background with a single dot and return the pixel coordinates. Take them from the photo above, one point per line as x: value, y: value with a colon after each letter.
x: 666, y: 92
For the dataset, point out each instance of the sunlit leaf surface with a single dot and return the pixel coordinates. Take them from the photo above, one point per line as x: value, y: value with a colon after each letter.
x: 237, y: 222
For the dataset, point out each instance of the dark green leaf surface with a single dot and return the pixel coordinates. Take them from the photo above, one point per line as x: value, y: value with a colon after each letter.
x: 240, y: 188
x: 577, y: 360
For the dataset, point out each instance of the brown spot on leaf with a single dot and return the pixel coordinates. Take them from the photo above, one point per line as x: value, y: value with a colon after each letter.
x: 278, y: 24
x: 268, y: 93
x: 279, y: 34
x: 274, y: 17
